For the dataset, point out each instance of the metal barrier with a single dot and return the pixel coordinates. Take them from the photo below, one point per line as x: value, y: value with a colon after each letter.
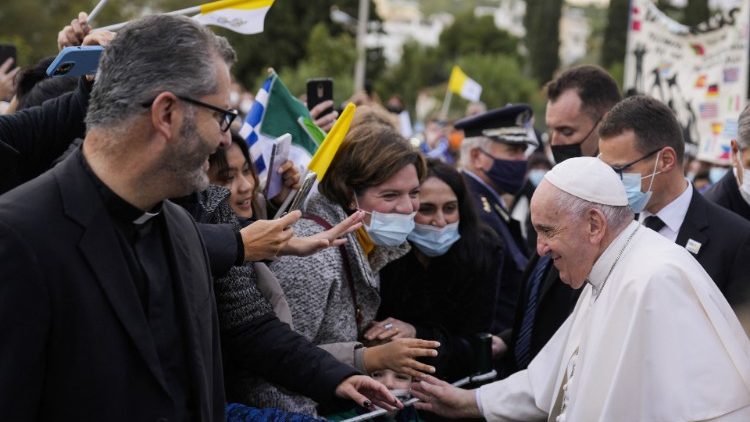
x: 460, y: 383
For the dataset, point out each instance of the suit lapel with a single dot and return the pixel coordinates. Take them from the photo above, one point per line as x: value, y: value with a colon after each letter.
x: 692, y: 229
x: 100, y: 249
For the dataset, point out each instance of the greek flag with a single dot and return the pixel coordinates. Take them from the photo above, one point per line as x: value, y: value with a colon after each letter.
x: 274, y: 113
x: 250, y: 130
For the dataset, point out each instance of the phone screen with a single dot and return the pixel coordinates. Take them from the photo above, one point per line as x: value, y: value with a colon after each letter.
x: 8, y: 51
x: 319, y: 90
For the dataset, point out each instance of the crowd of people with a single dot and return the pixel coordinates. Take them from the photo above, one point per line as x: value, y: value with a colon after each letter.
x: 142, y: 279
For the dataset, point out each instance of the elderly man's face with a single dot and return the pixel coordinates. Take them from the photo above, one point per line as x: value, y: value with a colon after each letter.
x: 568, y: 124
x: 562, y: 237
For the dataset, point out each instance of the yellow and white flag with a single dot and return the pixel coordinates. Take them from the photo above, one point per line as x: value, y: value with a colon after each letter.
x: 463, y: 85
x: 243, y: 16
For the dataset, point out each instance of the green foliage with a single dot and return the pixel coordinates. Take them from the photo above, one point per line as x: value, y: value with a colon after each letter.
x: 419, y: 68
x: 542, y: 22
x: 328, y: 56
x: 470, y: 34
x: 616, y: 33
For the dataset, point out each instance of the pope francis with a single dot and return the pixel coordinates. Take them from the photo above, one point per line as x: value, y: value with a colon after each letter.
x: 651, y: 337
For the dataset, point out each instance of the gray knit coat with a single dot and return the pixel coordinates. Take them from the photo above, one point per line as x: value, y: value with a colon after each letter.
x: 318, y: 292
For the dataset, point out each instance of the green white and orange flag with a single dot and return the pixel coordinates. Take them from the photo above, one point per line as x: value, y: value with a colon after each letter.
x: 243, y: 16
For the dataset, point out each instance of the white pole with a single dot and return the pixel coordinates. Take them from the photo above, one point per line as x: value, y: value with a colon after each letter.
x: 446, y: 105
x: 359, y: 69
x: 187, y: 11
x: 98, y: 8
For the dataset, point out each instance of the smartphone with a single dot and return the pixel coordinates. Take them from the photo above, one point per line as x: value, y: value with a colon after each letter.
x: 279, y: 155
x: 8, y: 51
x: 304, y: 190
x: 76, y: 61
x: 319, y: 90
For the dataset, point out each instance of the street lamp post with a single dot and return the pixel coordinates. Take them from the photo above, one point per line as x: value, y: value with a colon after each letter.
x: 359, y: 69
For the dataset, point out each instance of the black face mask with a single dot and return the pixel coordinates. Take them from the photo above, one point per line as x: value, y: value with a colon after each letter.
x: 562, y: 152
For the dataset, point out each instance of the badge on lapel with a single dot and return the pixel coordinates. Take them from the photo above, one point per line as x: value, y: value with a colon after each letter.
x: 486, y: 205
x: 693, y: 246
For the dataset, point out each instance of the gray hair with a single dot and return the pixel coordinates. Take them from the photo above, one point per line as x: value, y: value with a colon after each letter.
x: 743, y: 130
x: 152, y: 55
x: 616, y: 216
x: 469, y: 144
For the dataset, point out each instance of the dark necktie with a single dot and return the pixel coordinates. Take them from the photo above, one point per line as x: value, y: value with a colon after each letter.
x: 654, y: 223
x: 523, y: 342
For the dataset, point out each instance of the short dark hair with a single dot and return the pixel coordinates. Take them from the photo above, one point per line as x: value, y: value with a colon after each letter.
x: 653, y: 123
x: 371, y: 153
x: 595, y: 87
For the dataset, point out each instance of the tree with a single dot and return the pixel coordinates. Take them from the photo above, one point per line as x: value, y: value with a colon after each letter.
x: 470, y: 34
x: 696, y: 11
x: 542, y: 22
x: 616, y: 33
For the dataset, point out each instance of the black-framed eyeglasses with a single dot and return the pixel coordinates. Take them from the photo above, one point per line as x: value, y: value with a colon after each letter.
x: 227, y: 115
x: 621, y: 169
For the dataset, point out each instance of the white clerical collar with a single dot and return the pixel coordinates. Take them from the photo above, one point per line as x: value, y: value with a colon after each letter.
x: 603, y: 265
x: 673, y: 214
x: 146, y: 216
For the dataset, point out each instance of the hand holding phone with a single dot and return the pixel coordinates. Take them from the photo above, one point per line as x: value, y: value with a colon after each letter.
x: 76, y: 61
x: 318, y: 91
x: 8, y: 70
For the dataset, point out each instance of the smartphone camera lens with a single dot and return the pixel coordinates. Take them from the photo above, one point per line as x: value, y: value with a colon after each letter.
x: 64, y: 68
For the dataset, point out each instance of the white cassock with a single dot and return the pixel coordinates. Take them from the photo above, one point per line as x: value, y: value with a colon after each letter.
x: 660, y: 343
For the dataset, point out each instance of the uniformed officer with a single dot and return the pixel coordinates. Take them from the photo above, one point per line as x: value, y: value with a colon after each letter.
x: 494, y: 163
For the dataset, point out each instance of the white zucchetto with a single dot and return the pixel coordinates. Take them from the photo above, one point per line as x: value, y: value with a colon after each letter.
x: 589, y: 178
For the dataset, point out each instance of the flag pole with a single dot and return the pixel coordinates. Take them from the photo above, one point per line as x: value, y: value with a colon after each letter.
x: 446, y: 104
x: 98, y: 8
x: 186, y: 11
x: 215, y: 5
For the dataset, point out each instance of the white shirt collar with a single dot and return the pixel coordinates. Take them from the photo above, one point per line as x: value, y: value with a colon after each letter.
x: 146, y: 216
x: 607, y: 259
x: 673, y: 214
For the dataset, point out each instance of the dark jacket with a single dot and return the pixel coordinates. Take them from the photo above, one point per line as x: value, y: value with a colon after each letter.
x: 31, y: 139
x: 555, y: 302
x: 724, y: 252
x: 514, y: 256
x: 726, y: 193
x: 75, y: 341
x: 447, y: 302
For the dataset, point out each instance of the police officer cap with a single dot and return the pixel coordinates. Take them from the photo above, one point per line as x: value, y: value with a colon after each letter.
x: 510, y: 124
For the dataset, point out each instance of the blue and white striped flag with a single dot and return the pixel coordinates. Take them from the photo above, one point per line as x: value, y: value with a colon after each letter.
x: 274, y: 113
x: 250, y: 131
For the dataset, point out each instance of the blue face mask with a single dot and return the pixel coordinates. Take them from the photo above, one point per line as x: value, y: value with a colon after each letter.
x: 536, y: 176
x: 507, y: 175
x: 716, y: 173
x: 433, y: 241
x: 637, y: 200
x: 389, y: 229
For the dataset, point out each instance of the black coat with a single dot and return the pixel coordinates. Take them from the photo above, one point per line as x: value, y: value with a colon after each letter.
x: 31, y: 139
x: 555, y: 302
x: 724, y: 252
x: 446, y: 302
x: 514, y: 254
x: 75, y: 341
x: 726, y: 193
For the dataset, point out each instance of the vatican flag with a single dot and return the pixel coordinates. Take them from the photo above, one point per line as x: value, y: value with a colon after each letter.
x: 463, y: 85
x: 243, y: 16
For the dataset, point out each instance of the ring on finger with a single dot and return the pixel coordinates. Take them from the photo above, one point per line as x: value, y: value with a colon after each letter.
x: 388, y: 326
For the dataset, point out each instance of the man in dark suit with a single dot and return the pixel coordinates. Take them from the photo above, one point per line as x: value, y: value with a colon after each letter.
x: 494, y: 164
x: 641, y: 139
x: 733, y: 190
x: 577, y: 100
x: 107, y: 306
